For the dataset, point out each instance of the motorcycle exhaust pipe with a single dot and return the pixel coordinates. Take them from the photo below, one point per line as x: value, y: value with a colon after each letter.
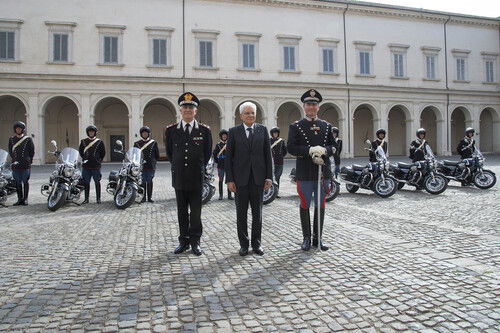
x: 351, y: 183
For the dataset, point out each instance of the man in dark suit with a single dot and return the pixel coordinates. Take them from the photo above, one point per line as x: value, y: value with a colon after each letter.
x: 249, y: 172
x: 189, y: 147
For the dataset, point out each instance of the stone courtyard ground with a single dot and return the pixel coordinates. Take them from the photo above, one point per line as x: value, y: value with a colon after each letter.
x: 412, y: 262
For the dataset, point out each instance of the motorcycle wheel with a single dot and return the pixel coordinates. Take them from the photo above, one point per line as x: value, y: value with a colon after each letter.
x: 56, y: 199
x: 124, y: 201
x: 385, y: 190
x: 207, y: 192
x: 270, y: 194
x: 351, y: 188
x: 485, y: 180
x: 334, y: 190
x: 435, y: 186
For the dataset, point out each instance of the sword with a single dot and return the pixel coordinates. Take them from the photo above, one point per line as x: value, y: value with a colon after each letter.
x: 318, y: 207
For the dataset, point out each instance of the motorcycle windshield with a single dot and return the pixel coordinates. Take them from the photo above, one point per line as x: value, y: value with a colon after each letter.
x: 69, y: 156
x: 429, y: 152
x: 477, y: 152
x: 3, y: 157
x: 134, y: 155
x: 380, y: 153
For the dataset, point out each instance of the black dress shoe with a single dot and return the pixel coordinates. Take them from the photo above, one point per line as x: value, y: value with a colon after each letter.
x: 181, y: 248
x: 151, y: 200
x: 196, y: 250
x: 258, y: 251
x: 24, y: 203
x: 86, y: 201
x: 323, y: 246
x: 243, y: 251
x: 306, y: 245
x: 19, y: 203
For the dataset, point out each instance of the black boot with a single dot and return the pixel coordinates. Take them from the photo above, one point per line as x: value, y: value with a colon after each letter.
x: 150, y: 192
x: 26, y: 191
x: 19, y: 190
x: 98, y: 192
x: 315, y: 229
x: 86, y: 190
x: 305, y: 222
x: 144, y: 194
x: 230, y: 195
x: 221, y: 184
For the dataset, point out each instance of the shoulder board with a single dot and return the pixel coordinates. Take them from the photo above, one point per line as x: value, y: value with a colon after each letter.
x: 204, y: 125
x: 173, y: 124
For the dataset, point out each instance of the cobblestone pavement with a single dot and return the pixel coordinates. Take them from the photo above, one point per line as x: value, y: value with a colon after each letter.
x: 412, y: 262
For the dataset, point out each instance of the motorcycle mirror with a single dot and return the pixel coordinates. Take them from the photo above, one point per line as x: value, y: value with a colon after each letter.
x: 54, y: 143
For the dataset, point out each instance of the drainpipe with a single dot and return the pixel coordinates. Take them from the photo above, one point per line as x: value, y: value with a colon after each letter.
x: 183, y: 45
x: 347, y: 84
x: 448, y: 146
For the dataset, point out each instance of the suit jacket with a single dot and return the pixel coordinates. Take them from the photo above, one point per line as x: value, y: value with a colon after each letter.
x: 304, y: 134
x: 243, y: 156
x: 188, y: 154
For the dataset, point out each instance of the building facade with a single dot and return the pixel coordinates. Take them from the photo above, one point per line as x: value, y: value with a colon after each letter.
x: 65, y: 64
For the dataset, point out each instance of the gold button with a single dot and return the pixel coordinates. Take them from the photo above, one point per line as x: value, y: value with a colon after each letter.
x: 185, y: 164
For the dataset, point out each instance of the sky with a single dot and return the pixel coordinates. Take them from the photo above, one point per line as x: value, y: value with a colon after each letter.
x: 488, y: 8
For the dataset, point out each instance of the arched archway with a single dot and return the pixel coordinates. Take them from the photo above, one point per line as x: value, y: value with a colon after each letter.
x: 209, y: 113
x: 12, y: 109
x: 111, y: 116
x: 489, y: 137
x: 330, y: 113
x: 288, y: 113
x: 458, y: 118
x: 158, y: 114
x: 428, y: 120
x: 259, y: 116
x: 61, y: 123
x: 362, y: 128
x: 398, y: 129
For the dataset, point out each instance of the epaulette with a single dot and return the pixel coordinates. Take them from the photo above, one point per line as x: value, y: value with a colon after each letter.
x: 201, y: 124
x: 168, y: 126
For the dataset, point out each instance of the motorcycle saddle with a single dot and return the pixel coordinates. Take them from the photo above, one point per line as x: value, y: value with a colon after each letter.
x: 404, y: 165
x: 451, y: 163
x: 358, y: 167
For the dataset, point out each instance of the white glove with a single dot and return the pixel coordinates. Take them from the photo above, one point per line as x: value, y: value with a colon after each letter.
x: 317, y: 151
x: 334, y: 150
x: 318, y: 160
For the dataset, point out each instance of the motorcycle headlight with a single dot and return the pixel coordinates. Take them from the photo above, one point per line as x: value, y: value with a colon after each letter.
x: 123, y: 172
x: 135, y: 171
x: 68, y: 172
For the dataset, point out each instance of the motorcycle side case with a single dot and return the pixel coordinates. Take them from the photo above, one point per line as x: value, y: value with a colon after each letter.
x: 113, y: 176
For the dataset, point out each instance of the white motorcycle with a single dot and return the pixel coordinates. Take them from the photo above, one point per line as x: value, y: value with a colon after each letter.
x: 125, y: 184
x: 65, y: 183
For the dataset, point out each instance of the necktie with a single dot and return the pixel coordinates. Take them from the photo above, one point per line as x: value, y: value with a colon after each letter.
x: 186, y: 130
x: 250, y: 132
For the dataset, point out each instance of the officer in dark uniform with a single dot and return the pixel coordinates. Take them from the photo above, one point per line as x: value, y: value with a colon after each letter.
x: 467, y: 145
x: 278, y: 150
x: 21, y: 151
x: 189, y: 146
x: 379, y: 141
x: 219, y: 155
x: 150, y: 154
x: 417, y: 147
x: 92, y: 152
x: 311, y: 141
x: 336, y: 156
